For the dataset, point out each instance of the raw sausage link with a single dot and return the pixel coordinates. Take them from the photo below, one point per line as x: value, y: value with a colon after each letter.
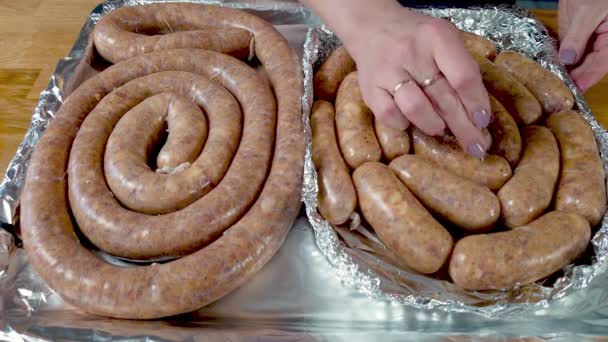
x: 337, y: 196
x: 394, y: 142
x: 530, y: 191
x: 518, y: 100
x: 140, y: 31
x: 520, y: 256
x: 354, y: 124
x: 328, y: 78
x: 551, y: 92
x: 582, y: 184
x: 478, y: 45
x: 461, y: 201
x: 149, y: 192
x: 233, y: 253
x: 181, y: 116
x: 400, y: 221
x: 492, y: 172
x: 506, y: 139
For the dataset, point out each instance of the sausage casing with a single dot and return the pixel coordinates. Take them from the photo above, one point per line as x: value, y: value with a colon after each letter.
x: 328, y: 78
x: 551, y: 92
x: 461, y: 201
x: 492, y: 172
x: 394, y: 142
x: 400, y: 221
x: 233, y: 256
x: 582, y: 183
x: 354, y: 124
x: 520, y: 256
x: 516, y: 98
x: 506, y: 139
x: 127, y: 173
x: 337, y: 197
x: 478, y: 45
x: 530, y: 191
x: 187, y: 127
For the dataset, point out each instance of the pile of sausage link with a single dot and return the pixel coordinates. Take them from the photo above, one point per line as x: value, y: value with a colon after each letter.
x: 219, y: 197
x: 521, y: 214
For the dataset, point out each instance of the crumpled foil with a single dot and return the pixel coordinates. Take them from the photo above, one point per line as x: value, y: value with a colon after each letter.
x: 361, y: 260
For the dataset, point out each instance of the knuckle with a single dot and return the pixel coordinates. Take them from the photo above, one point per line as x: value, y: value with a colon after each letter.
x: 383, y: 110
x: 414, y: 105
x: 465, y: 81
x: 435, y: 129
x: 405, y: 48
x: 437, y: 28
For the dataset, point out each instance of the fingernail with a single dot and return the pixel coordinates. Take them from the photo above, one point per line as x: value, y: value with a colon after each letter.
x: 476, y: 151
x: 481, y: 118
x: 567, y: 56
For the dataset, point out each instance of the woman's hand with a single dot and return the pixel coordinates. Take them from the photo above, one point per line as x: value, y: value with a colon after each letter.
x: 412, y: 68
x: 583, y: 31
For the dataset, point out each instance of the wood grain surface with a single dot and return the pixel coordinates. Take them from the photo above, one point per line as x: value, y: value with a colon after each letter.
x: 35, y: 34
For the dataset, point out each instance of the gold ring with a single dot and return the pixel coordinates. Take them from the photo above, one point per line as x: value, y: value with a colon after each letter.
x: 401, y: 84
x: 430, y: 81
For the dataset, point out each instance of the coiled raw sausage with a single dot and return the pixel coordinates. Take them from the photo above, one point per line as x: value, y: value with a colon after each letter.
x: 240, y: 235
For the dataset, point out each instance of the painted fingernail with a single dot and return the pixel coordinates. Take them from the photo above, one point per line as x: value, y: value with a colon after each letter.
x: 476, y: 151
x: 482, y: 118
x: 567, y: 56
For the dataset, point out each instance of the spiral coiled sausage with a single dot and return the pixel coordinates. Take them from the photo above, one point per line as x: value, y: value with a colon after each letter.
x: 225, y: 213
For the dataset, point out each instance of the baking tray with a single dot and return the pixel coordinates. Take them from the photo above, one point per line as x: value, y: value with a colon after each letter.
x: 297, y: 296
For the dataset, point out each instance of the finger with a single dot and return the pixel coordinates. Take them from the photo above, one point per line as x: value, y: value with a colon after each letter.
x: 592, y: 70
x: 380, y: 101
x: 584, y: 23
x: 464, y: 76
x: 414, y: 104
x: 601, y: 42
x: 564, y: 18
x: 450, y: 108
x: 385, y: 109
x: 603, y: 28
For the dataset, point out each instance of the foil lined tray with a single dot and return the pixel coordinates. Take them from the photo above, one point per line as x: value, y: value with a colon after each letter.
x: 362, y: 260
x: 300, y: 295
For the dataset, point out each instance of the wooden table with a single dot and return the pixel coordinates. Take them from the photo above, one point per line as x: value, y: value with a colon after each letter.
x: 35, y: 34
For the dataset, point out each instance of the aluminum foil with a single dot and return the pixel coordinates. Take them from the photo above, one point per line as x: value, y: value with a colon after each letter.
x: 297, y: 296
x: 361, y: 260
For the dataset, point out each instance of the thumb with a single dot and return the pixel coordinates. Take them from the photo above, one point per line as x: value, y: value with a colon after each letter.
x: 583, y: 25
x: 591, y: 71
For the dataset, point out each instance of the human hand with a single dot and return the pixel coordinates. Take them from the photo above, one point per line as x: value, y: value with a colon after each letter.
x: 414, y: 68
x: 583, y: 31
